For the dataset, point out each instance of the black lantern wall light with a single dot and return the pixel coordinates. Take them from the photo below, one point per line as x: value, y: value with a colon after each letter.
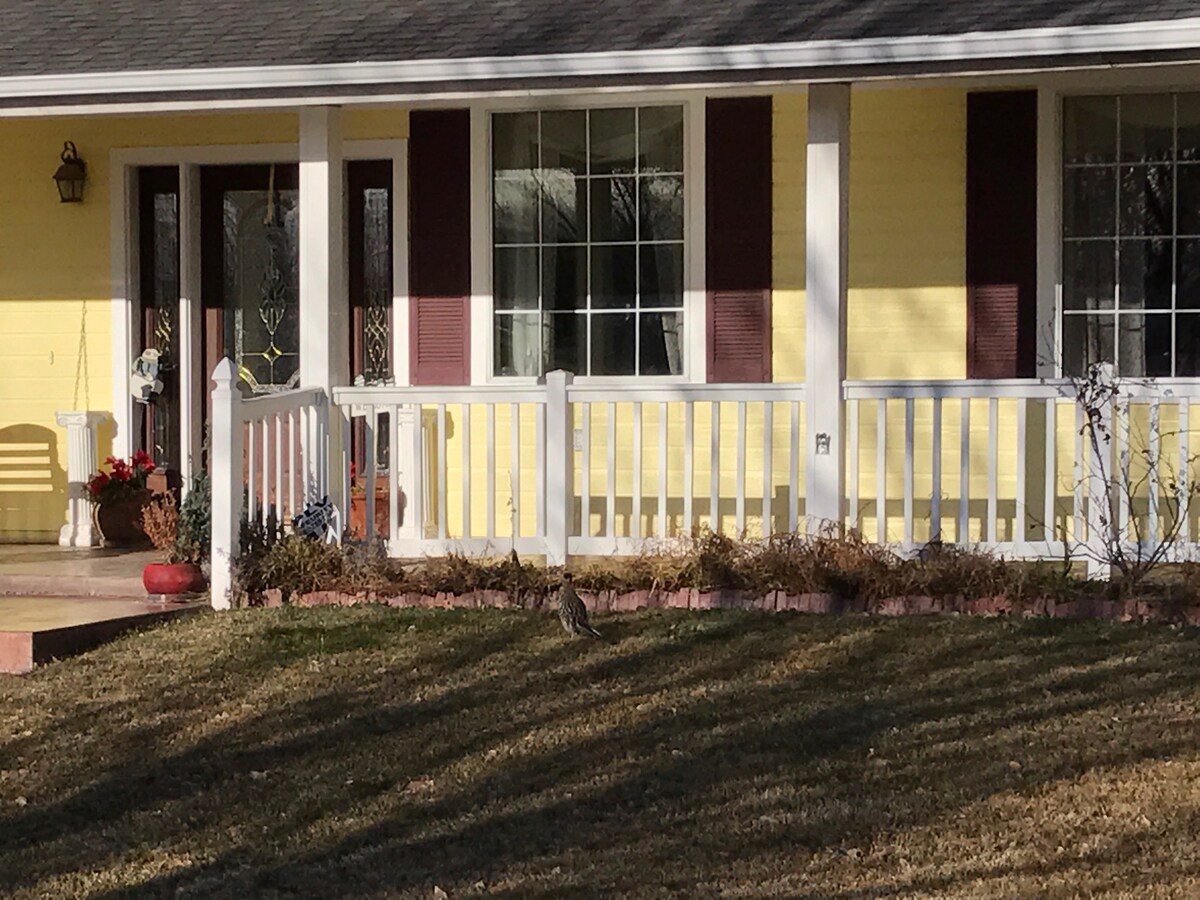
x: 70, y: 175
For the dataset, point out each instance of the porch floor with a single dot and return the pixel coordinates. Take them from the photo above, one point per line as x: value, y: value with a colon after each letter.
x: 36, y: 630
x: 48, y: 571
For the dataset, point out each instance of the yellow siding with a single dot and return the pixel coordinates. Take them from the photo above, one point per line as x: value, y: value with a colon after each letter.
x: 906, y: 316
x: 525, y: 511
x: 55, y: 285
x: 790, y: 133
x: 374, y: 124
x: 907, y: 301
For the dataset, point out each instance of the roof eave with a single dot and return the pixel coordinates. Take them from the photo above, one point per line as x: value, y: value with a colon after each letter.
x: 1036, y: 48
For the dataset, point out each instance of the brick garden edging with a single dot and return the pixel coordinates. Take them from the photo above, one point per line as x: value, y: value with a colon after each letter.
x: 775, y: 601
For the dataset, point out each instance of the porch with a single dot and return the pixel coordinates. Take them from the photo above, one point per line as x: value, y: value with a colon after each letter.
x: 784, y: 311
x: 1052, y: 469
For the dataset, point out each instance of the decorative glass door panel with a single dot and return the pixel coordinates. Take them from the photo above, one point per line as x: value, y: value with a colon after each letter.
x: 158, y: 226
x: 369, y: 189
x: 251, y: 242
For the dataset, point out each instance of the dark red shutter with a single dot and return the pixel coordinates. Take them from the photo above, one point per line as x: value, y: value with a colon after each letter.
x: 1002, y: 234
x: 738, y: 217
x: 439, y: 162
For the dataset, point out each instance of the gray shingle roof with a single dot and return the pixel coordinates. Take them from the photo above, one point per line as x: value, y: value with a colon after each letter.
x: 43, y: 37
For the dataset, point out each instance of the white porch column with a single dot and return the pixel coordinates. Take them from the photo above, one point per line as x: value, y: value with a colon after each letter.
x: 560, y: 466
x: 827, y: 262
x: 192, y: 396
x: 324, y: 307
x: 81, y: 464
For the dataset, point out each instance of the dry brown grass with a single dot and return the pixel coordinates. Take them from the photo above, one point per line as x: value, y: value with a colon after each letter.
x: 379, y: 753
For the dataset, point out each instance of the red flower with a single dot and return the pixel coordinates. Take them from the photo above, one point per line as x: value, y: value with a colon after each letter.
x: 143, y: 461
x: 126, y: 478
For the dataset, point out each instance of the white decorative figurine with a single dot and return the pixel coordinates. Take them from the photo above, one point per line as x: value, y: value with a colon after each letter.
x: 144, y: 382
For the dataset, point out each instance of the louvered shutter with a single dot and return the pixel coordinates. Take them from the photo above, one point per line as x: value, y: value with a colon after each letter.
x: 440, y: 246
x: 738, y: 241
x: 1001, y: 234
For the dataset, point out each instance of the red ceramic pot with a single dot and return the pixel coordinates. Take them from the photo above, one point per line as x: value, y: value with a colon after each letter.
x: 173, y: 578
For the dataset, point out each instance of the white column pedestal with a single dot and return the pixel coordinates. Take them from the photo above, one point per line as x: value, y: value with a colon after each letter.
x: 82, y: 460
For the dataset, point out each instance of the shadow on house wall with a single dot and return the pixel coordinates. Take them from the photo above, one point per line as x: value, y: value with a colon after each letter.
x: 33, y: 486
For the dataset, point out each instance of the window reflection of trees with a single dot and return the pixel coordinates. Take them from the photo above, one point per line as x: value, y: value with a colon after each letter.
x: 606, y: 226
x: 1131, y: 233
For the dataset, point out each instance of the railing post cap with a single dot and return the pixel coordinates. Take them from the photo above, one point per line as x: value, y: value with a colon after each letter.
x: 225, y: 373
x: 560, y: 376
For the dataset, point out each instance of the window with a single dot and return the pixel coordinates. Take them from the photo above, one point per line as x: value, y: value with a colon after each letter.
x: 1131, y: 234
x: 588, y: 238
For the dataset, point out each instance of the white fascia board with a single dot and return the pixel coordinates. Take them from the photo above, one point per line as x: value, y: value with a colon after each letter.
x: 1031, y: 43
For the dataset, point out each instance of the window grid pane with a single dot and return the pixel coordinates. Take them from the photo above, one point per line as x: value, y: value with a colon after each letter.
x: 1131, y: 194
x: 605, y: 233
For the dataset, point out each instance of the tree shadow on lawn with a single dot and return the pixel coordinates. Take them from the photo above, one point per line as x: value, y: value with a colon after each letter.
x: 691, y: 746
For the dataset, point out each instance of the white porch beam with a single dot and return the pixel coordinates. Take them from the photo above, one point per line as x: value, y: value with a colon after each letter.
x: 324, y: 307
x: 827, y: 262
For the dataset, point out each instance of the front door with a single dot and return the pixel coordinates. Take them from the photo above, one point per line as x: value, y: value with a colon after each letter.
x: 249, y: 254
x: 250, y: 280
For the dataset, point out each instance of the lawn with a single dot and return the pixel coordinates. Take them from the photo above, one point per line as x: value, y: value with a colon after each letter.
x: 375, y: 752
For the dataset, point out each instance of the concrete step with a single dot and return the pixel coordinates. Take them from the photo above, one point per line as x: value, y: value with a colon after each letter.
x: 47, y: 571
x: 106, y: 587
x: 37, y: 630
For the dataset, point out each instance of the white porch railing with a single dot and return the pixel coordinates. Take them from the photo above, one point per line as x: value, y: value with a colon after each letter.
x: 563, y: 469
x: 270, y: 459
x: 1010, y: 466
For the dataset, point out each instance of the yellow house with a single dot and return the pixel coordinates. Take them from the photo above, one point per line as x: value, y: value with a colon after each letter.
x: 563, y: 281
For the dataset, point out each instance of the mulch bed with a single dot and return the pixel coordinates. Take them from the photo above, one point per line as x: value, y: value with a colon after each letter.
x: 1133, y: 610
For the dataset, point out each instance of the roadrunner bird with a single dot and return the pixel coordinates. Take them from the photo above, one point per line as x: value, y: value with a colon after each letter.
x: 571, y: 611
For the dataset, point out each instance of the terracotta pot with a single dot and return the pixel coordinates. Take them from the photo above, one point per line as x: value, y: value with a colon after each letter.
x: 173, y: 578
x: 120, y: 523
x: 358, y: 515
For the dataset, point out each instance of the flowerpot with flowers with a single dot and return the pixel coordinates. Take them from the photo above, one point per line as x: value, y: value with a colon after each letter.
x: 358, y: 509
x: 181, y: 534
x: 119, y: 495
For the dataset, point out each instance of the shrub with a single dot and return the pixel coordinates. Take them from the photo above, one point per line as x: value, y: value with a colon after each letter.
x: 195, y: 521
x: 846, y: 566
x: 160, y: 521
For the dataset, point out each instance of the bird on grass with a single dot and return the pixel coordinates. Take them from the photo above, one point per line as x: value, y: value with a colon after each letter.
x: 572, y: 613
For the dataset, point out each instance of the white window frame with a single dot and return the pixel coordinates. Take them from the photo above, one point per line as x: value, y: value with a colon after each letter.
x: 694, y: 368
x: 1053, y: 88
x: 1117, y: 314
